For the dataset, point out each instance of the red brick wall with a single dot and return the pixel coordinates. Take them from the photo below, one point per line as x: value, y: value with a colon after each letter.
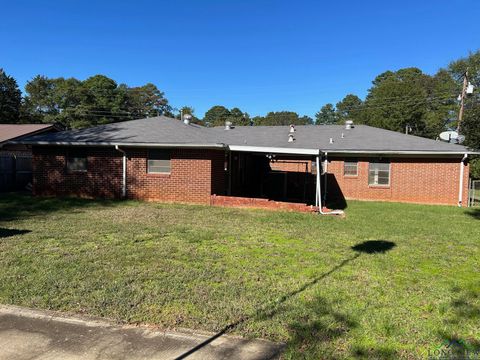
x: 195, y: 175
x: 428, y: 181
x: 191, y: 178
x: 291, y: 165
x: 103, y: 178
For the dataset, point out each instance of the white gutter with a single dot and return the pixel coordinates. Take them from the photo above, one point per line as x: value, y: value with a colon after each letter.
x: 124, y: 171
x: 276, y: 150
x: 460, y: 187
x: 399, y: 152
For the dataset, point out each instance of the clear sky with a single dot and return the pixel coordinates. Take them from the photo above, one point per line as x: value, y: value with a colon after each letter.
x: 259, y: 55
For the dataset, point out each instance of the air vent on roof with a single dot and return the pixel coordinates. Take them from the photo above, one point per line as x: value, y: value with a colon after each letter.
x: 348, y: 124
x: 228, y: 125
x: 187, y: 118
x: 290, y: 138
x: 292, y: 128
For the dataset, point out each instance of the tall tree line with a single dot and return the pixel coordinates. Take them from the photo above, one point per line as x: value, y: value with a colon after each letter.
x: 75, y: 103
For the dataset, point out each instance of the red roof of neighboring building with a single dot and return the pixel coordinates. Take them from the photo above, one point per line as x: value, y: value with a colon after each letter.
x: 13, y: 131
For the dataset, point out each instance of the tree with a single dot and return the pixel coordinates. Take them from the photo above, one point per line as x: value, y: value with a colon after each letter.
x: 147, y: 101
x: 10, y: 99
x: 470, y: 126
x: 238, y: 117
x: 349, y: 108
x: 282, y: 118
x: 96, y: 100
x: 408, y: 97
x: 326, y: 115
x: 216, y: 116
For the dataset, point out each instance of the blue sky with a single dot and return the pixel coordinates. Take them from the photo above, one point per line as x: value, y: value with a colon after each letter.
x: 258, y: 55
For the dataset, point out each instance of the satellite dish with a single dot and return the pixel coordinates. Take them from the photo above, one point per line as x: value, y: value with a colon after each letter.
x: 449, y: 136
x: 452, y: 137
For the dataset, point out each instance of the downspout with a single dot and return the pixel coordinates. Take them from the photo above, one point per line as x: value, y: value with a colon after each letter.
x: 460, y: 187
x: 124, y: 171
x: 325, y: 173
x: 318, y: 198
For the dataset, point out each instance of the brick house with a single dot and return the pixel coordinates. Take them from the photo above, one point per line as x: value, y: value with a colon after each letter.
x: 16, y: 159
x: 299, y: 168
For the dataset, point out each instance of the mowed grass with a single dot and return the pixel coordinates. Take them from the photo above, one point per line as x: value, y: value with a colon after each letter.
x: 290, y: 277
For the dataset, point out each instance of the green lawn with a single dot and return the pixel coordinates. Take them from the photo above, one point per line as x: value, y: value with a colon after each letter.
x: 303, y: 279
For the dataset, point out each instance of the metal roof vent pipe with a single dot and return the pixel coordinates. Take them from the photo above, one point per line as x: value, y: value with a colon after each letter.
x: 331, y: 141
x: 292, y: 128
x: 348, y: 124
x: 228, y: 125
x: 187, y: 118
x: 290, y: 138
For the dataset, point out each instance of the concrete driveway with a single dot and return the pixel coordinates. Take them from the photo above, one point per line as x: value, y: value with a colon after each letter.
x: 31, y: 334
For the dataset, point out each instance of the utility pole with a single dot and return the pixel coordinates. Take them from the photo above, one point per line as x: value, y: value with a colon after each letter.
x: 462, y: 100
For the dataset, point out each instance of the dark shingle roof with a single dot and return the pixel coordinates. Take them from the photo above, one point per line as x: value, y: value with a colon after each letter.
x: 163, y: 130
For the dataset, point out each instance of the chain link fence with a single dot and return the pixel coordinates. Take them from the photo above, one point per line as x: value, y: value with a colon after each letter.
x: 474, y: 193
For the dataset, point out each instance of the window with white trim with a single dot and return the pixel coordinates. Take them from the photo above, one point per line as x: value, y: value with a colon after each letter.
x: 158, y: 162
x: 350, y: 167
x: 379, y: 173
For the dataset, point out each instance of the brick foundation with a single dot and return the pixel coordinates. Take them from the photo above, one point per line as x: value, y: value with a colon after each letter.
x: 233, y: 201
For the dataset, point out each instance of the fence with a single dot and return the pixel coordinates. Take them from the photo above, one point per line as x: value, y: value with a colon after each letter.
x: 15, y: 172
x: 474, y: 193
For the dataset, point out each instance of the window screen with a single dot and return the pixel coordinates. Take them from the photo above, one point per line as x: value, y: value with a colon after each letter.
x: 76, y: 162
x: 379, y: 173
x: 350, y: 168
x: 159, y: 162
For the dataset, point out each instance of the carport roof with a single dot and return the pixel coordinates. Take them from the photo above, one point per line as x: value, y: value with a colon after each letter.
x: 163, y: 131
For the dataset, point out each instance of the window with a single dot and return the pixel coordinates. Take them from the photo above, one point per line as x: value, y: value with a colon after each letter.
x: 158, y: 162
x: 76, y: 162
x: 379, y: 173
x: 350, y: 168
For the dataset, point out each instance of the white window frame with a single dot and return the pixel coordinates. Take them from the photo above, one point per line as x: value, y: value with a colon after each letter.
x: 167, y: 169
x: 376, y: 174
x: 350, y: 163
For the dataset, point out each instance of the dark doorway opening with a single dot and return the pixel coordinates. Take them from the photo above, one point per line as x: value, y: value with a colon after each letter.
x: 273, y: 177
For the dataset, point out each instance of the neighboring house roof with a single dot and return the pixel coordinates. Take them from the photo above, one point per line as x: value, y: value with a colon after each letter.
x: 309, y: 139
x: 16, y: 131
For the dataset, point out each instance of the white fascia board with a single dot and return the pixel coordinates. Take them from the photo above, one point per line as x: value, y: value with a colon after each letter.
x: 386, y: 152
x: 124, y: 144
x: 274, y: 150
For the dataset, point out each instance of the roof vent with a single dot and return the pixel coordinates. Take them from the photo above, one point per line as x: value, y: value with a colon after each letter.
x: 331, y: 141
x: 228, y: 125
x: 290, y: 138
x: 292, y: 128
x: 187, y: 118
x: 343, y: 136
x: 348, y: 124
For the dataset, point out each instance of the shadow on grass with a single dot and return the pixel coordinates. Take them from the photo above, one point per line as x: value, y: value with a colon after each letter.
x: 465, y: 308
x: 475, y: 213
x: 12, y: 232
x: 312, y: 334
x: 269, y: 310
x: 20, y: 206
x: 374, y: 246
